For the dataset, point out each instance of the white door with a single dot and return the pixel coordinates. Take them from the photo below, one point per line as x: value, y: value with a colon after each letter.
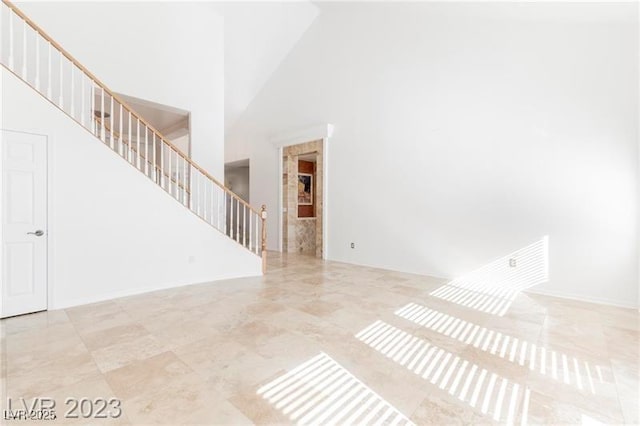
x: 24, y: 223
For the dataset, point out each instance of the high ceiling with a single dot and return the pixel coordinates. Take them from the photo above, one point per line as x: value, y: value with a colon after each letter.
x: 258, y: 36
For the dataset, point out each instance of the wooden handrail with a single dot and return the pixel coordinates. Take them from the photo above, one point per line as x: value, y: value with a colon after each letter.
x: 125, y: 105
x: 125, y: 148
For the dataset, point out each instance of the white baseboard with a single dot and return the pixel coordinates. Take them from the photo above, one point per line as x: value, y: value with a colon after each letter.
x: 366, y: 265
x: 70, y: 303
x: 599, y: 301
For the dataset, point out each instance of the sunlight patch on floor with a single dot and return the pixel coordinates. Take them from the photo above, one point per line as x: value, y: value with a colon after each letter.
x: 547, y: 362
x: 321, y: 391
x: 478, y: 387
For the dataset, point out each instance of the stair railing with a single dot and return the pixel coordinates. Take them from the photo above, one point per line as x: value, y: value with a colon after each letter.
x: 34, y: 57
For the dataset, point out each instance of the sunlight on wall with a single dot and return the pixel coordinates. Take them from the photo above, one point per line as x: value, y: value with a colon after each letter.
x: 559, y: 366
x: 478, y: 387
x: 493, y: 287
x: 321, y: 391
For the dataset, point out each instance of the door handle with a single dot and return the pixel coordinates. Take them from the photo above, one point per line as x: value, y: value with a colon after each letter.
x: 38, y: 233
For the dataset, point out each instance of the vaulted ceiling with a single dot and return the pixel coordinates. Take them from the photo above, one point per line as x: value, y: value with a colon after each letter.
x: 258, y: 36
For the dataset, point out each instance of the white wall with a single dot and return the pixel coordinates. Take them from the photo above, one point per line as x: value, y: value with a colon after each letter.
x: 257, y: 37
x: 464, y: 132
x: 112, y: 231
x: 170, y: 53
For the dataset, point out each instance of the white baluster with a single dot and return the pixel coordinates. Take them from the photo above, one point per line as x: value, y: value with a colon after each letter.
x: 239, y: 223
x: 185, y: 185
x: 195, y: 195
x: 219, y: 213
x: 229, y: 215
x: 167, y: 161
x: 214, y: 205
x: 170, y: 177
x: 121, y: 139
x: 203, y: 191
x: 183, y: 179
x: 37, y: 34
x: 112, y: 142
x: 102, y: 129
x: 176, y: 175
x: 226, y: 215
x: 73, y: 108
x: 196, y: 199
x: 92, y: 115
x: 162, y: 180
x: 146, y: 150
x: 24, y: 50
x: 222, y: 214
x: 61, y: 97
x: 155, y: 164
x: 237, y: 220
x: 49, y: 77
x: 250, y: 229
x: 179, y: 177
x: 205, y: 198
x: 232, y: 219
x: 220, y: 207
x: 10, y: 39
x: 257, y: 233
x: 129, y: 145
x: 234, y: 216
x: 210, y: 199
x: 244, y: 224
x: 83, y: 118
x: 138, y: 143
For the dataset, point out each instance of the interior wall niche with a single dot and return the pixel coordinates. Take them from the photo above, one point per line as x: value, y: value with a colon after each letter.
x: 302, y: 198
x: 307, y: 185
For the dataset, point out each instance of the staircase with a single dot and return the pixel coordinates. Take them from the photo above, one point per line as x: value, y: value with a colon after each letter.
x: 36, y: 59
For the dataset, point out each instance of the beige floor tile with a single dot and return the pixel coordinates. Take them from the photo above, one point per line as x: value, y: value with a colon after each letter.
x: 44, y: 372
x: 36, y: 321
x: 441, y: 410
x: 120, y: 354
x: 198, y: 354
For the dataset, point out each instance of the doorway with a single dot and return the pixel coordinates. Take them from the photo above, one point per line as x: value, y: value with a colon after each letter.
x: 23, y: 252
x: 236, y: 179
x: 302, y: 195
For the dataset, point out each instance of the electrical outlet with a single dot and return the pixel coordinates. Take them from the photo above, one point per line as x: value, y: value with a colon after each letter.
x: 512, y: 262
x: 353, y: 245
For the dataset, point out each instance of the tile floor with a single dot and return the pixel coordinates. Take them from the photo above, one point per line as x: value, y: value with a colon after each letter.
x: 328, y: 343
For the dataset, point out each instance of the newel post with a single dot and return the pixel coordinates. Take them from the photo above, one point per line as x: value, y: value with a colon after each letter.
x: 263, y: 216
